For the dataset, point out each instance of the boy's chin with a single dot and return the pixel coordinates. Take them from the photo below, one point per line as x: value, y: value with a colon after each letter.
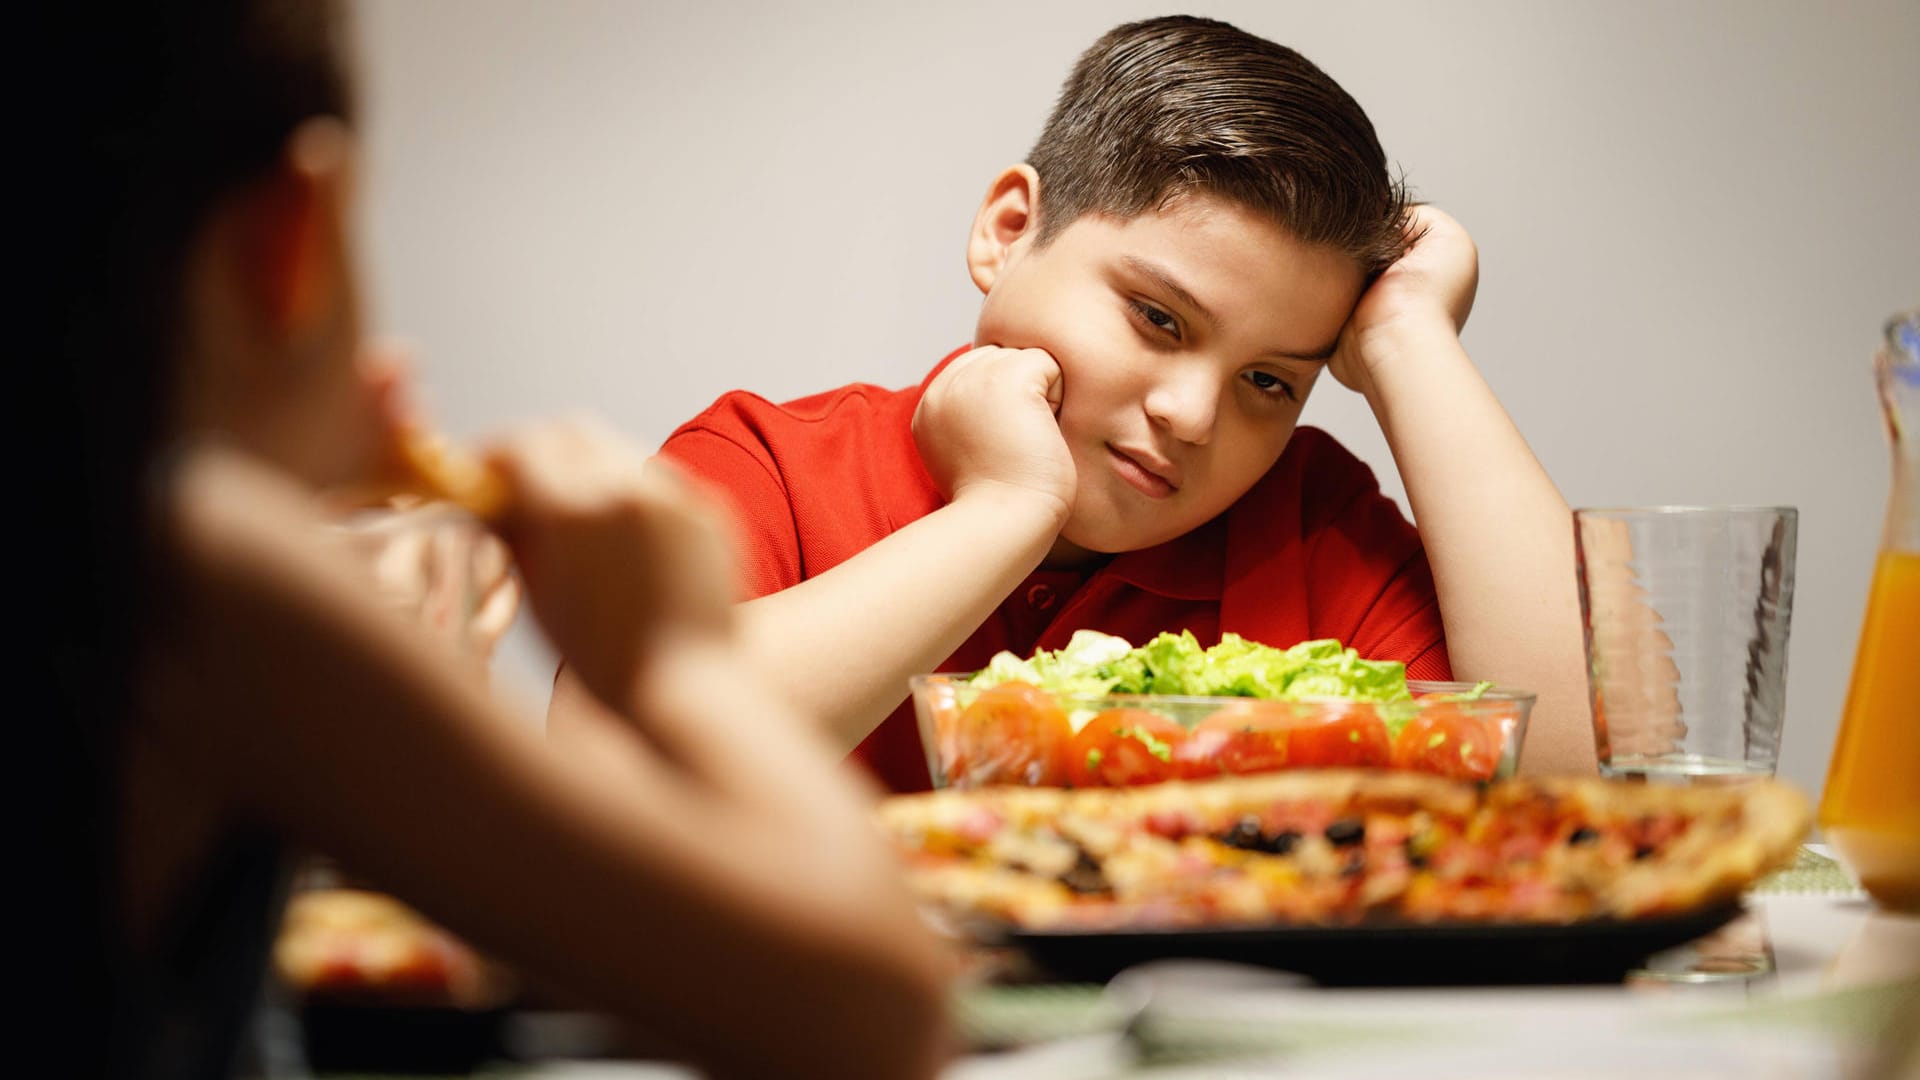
x: 1082, y: 543
x: 1069, y: 551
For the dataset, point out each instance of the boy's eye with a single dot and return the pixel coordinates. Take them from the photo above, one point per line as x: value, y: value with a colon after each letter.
x: 1268, y: 383
x: 1156, y: 318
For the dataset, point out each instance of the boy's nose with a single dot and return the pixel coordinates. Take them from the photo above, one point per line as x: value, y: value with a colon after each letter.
x: 1185, y: 402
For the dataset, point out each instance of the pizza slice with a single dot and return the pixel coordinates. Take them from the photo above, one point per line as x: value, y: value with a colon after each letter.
x: 351, y: 945
x: 434, y: 467
x: 1338, y: 847
x: 418, y: 464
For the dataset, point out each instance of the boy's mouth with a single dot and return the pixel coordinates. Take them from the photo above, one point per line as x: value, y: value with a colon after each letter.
x: 1152, y: 477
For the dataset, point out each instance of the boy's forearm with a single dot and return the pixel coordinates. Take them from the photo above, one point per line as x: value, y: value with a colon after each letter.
x: 843, y: 644
x: 1496, y: 532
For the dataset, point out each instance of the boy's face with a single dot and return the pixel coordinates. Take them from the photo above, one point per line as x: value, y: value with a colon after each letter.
x: 1187, y: 338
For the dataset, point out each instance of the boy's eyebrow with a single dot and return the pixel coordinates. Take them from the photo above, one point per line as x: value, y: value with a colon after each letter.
x: 1318, y: 356
x: 1160, y: 276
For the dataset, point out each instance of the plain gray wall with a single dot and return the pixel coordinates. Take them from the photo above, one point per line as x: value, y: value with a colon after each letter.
x: 1693, y: 218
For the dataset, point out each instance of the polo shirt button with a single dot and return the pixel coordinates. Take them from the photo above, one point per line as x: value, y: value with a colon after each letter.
x: 1041, y: 597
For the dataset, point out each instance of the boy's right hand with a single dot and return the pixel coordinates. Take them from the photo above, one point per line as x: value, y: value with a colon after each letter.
x: 620, y: 556
x: 990, y: 420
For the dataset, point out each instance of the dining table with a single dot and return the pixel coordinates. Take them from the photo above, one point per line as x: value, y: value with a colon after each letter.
x: 1811, y: 980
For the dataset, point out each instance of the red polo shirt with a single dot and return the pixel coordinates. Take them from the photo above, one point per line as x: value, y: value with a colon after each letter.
x: 1314, y: 550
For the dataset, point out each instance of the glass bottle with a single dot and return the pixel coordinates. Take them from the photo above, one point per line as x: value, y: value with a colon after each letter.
x: 1871, y: 809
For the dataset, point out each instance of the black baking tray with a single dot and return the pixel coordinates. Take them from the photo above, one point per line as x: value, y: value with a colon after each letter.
x: 1386, y: 954
x: 421, y: 1040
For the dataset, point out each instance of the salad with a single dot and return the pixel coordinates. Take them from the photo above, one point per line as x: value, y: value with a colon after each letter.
x: 1095, y: 664
x: 1103, y: 712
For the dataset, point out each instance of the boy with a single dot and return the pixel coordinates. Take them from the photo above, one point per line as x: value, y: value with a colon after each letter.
x: 1205, y: 224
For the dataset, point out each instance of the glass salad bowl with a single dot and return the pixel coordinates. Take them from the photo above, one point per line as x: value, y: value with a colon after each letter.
x: 1056, y: 721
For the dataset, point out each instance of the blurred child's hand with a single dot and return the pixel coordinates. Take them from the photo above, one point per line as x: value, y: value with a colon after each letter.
x: 440, y: 570
x: 990, y: 418
x: 1429, y: 287
x: 619, y: 555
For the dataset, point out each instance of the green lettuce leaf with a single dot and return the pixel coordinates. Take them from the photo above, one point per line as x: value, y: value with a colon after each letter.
x: 1078, y: 670
x: 1094, y: 664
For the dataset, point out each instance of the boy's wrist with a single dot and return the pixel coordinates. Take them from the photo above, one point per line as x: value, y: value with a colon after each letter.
x: 1016, y: 505
x: 1416, y: 336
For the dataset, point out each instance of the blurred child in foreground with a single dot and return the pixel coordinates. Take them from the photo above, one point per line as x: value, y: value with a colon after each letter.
x: 226, y: 686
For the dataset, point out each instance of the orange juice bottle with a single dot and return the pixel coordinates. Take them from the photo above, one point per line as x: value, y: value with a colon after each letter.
x: 1871, y: 810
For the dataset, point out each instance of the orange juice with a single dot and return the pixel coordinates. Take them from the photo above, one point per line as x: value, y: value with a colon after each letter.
x: 1871, y: 810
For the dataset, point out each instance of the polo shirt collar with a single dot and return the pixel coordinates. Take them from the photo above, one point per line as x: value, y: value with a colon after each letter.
x: 1188, y: 567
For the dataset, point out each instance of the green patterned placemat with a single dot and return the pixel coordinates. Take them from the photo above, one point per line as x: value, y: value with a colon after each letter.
x: 989, y: 1017
x: 1812, y: 874
x: 1184, y: 1038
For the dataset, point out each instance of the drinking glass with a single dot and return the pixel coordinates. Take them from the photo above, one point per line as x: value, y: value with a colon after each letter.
x: 1686, y: 611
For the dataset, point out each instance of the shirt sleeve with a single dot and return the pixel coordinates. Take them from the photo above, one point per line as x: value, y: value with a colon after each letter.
x: 740, y: 471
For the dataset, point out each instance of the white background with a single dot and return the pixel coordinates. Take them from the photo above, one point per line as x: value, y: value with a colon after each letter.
x: 1693, y: 219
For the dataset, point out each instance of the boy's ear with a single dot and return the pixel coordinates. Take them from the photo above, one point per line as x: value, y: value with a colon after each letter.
x: 298, y: 234
x: 1010, y: 213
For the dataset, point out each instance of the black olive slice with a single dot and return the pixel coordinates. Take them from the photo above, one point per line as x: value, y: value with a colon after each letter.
x: 1086, y: 877
x: 1346, y: 831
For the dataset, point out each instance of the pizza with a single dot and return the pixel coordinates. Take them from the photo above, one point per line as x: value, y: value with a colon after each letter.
x: 355, y: 945
x: 1337, y: 847
x: 436, y: 468
x: 420, y: 465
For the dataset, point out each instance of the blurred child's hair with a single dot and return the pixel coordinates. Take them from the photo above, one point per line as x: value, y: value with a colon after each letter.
x: 167, y: 110
x: 1173, y: 106
x: 173, y: 107
x: 159, y: 112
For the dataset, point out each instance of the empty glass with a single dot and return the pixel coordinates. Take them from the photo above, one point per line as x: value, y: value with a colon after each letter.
x: 1686, y: 611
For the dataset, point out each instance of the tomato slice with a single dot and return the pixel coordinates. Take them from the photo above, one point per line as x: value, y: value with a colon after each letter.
x: 1447, y: 741
x: 1124, y: 748
x: 1013, y: 733
x: 1244, y: 737
x: 1353, y: 737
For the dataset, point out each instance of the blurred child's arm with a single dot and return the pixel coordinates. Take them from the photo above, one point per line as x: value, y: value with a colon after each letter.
x: 1497, y: 533
x: 843, y: 644
x: 701, y: 865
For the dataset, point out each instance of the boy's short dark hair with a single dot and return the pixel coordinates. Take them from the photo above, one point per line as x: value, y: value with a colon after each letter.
x: 1171, y: 106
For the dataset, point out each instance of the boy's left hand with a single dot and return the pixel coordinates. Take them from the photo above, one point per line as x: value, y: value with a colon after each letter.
x: 1432, y: 285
